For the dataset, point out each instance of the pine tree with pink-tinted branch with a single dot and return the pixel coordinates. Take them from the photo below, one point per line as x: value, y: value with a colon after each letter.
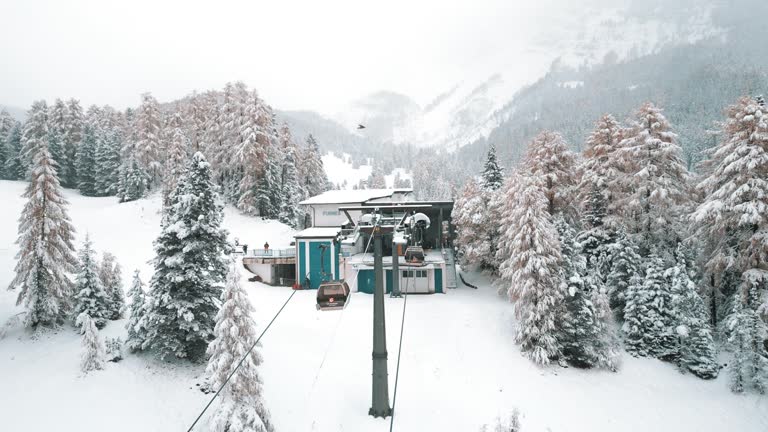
x: 549, y: 159
x: 46, y: 255
x: 529, y: 272
x: 659, y: 192
x: 472, y: 226
x: 242, y: 408
x: 734, y: 220
x: 148, y: 130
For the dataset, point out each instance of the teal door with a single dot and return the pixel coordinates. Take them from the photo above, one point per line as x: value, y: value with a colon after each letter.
x: 438, y: 280
x: 366, y: 281
x: 319, y: 263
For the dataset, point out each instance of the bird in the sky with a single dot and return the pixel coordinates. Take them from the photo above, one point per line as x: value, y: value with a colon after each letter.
x: 359, y: 126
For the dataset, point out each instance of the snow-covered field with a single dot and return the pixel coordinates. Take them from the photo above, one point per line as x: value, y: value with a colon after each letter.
x: 459, y: 367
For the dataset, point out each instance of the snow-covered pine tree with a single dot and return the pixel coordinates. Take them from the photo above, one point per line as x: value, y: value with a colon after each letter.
x: 90, y: 296
x: 377, y: 180
x: 34, y: 134
x: 269, y: 193
x: 549, y: 159
x: 623, y: 264
x: 107, y: 162
x: 696, y: 347
x: 493, y: 175
x: 251, y: 156
x: 134, y: 181
x: 648, y: 316
x: 183, y: 312
x: 137, y: 316
x: 473, y: 228
x: 600, y: 167
x: 94, y: 354
x: 315, y: 179
x: 14, y: 165
x: 46, y: 253
x: 72, y: 139
x: 746, y: 333
x: 6, y: 124
x: 242, y: 407
x: 530, y: 253
x: 58, y: 114
x: 291, y: 190
x: 110, y: 275
x: 732, y: 219
x: 659, y: 191
x: 596, y: 239
x: 176, y: 157
x: 584, y: 337
x: 86, y: 161
x: 148, y: 126
x: 195, y: 122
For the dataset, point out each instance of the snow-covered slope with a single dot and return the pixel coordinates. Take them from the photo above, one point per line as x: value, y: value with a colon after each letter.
x: 460, y: 368
x: 581, y: 35
x: 342, y: 174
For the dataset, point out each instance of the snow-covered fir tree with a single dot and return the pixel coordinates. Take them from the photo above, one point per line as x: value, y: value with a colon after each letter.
x: 746, y: 333
x: 530, y: 253
x: 648, y: 315
x: 695, y: 345
x: 493, y: 175
x: 251, y: 156
x: 585, y: 337
x: 134, y: 181
x: 107, y: 162
x: 242, y: 407
x: 46, y: 255
x: 290, y: 212
x: 469, y: 217
x: 183, y: 312
x: 549, y: 159
x: 58, y: 113
x: 34, y: 135
x: 14, y: 168
x: 71, y: 141
x: 268, y: 192
x: 596, y: 239
x: 86, y: 161
x: 148, y: 146
x: 137, y: 315
x: 476, y: 233
x: 315, y: 180
x: 659, y: 192
x: 110, y: 275
x: 376, y: 180
x: 94, y: 354
x: 6, y: 152
x: 623, y: 265
x: 732, y: 219
x: 90, y: 296
x: 176, y: 157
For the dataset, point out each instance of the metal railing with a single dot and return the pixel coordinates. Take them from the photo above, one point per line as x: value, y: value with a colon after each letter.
x: 272, y: 253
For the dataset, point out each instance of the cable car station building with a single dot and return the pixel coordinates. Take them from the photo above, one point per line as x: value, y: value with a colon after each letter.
x: 337, y: 245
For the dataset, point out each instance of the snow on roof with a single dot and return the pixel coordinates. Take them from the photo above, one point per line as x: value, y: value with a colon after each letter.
x: 318, y: 232
x: 352, y: 196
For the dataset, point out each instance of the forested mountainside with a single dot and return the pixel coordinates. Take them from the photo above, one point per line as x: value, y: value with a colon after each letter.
x: 693, y: 83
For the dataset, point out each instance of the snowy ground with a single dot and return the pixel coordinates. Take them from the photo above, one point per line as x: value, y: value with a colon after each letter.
x: 459, y: 368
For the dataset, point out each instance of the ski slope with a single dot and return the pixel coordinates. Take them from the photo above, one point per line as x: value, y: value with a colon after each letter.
x: 460, y: 368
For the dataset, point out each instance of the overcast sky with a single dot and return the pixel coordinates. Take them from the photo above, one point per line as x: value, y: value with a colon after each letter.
x: 299, y: 54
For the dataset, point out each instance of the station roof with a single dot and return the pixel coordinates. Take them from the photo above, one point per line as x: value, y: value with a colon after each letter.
x: 318, y: 232
x: 356, y: 196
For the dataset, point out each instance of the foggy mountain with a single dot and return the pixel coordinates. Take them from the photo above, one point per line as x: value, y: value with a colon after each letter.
x: 585, y: 37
